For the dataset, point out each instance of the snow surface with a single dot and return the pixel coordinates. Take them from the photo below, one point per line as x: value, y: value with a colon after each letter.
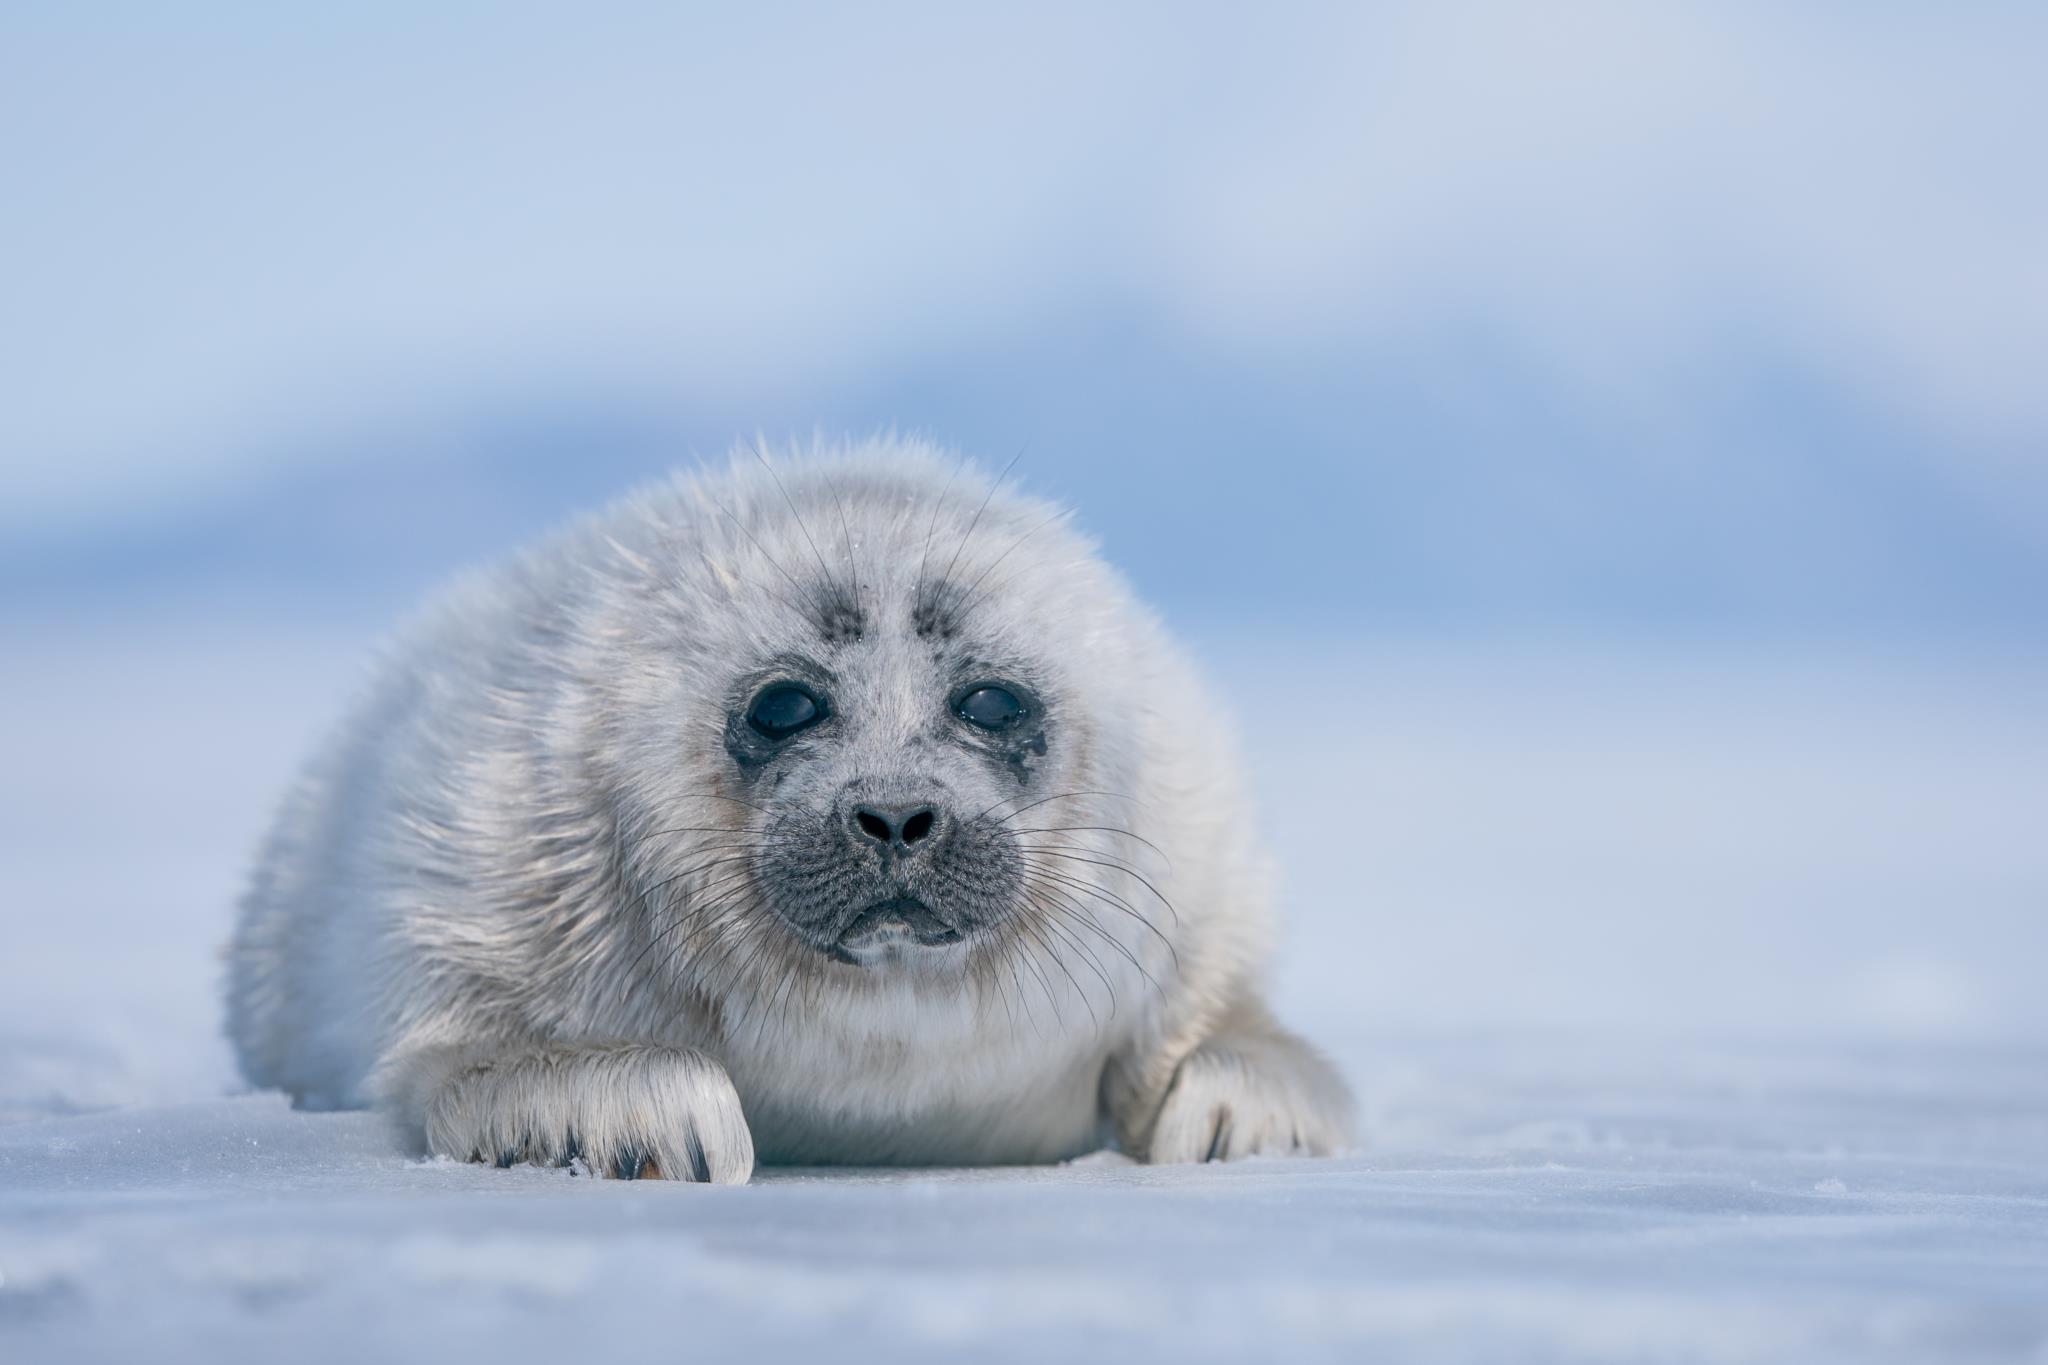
x: 1830, y: 1207
x: 1693, y: 1004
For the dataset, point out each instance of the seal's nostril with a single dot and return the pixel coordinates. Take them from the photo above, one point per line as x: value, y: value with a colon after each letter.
x: 896, y: 826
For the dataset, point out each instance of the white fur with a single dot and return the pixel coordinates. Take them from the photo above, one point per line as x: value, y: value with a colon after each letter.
x: 477, y: 905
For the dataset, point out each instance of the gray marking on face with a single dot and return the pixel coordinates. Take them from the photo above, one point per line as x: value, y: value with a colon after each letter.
x: 1020, y: 754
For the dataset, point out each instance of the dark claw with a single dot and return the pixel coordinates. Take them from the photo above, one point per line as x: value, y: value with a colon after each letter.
x: 1219, y: 1141
x: 700, y: 1166
x: 507, y: 1159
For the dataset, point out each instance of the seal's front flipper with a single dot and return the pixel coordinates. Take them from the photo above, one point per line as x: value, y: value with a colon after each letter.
x: 629, y: 1112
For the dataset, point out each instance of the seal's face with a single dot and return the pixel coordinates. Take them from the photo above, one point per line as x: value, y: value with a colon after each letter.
x: 887, y: 758
x: 887, y: 777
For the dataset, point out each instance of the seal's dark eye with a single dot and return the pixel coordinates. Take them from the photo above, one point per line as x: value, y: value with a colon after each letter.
x: 992, y: 708
x: 784, y: 709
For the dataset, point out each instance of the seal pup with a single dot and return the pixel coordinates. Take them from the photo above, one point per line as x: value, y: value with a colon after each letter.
x: 845, y: 809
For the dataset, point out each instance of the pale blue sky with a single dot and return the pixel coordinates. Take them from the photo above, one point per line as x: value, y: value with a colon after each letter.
x: 1708, y: 316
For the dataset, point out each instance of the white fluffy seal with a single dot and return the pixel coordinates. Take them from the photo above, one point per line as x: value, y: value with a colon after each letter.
x: 839, y: 810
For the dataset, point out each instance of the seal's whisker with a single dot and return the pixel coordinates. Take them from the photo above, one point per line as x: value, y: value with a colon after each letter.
x: 823, y: 616
x: 667, y: 918
x: 917, y: 593
x: 1009, y: 954
x: 992, y: 980
x: 1048, y: 800
x: 766, y: 1013
x: 1137, y: 877
x: 790, y: 502
x: 1044, y: 981
x: 946, y: 578
x: 1053, y: 924
x: 750, y: 929
x: 763, y: 939
x: 718, y: 895
x: 708, y: 892
x: 846, y: 535
x: 1075, y: 911
x: 797, y: 986
x: 753, y: 582
x: 1114, y: 902
x: 1088, y: 880
x: 728, y: 934
x: 1104, y: 829
x: 1015, y: 958
x: 695, y: 921
x: 971, y: 599
x: 742, y: 856
x: 1117, y: 861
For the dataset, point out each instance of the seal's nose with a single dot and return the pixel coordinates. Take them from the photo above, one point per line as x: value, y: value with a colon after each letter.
x: 901, y: 828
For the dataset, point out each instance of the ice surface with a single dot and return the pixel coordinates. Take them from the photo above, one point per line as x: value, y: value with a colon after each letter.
x: 1546, y: 1204
x: 1693, y: 1008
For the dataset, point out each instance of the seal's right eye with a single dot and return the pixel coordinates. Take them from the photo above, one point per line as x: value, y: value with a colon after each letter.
x: 782, y: 710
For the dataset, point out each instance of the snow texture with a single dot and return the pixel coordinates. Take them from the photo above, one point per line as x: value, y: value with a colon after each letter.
x: 1693, y: 1006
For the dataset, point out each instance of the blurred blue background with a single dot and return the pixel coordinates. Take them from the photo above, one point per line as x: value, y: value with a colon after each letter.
x: 1688, y: 318
x: 1638, y: 410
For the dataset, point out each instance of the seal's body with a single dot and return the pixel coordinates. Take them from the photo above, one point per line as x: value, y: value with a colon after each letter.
x: 843, y: 811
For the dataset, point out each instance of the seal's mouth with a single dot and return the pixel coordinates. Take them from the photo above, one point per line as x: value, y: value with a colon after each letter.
x: 899, y: 922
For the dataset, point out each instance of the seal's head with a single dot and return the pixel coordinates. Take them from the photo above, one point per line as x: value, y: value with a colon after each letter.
x: 874, y: 727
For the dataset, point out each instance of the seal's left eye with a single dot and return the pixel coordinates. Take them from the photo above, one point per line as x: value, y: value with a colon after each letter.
x: 991, y: 708
x: 783, y: 710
